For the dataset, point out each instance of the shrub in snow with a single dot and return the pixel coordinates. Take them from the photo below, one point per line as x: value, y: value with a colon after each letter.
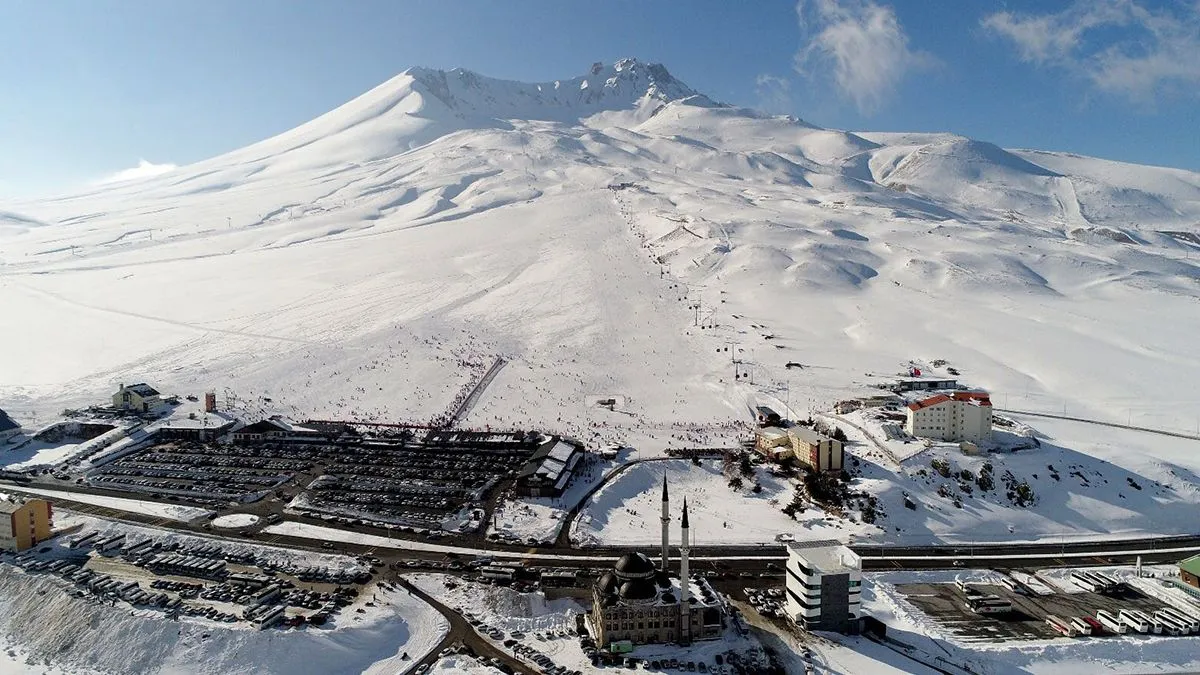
x: 941, y: 466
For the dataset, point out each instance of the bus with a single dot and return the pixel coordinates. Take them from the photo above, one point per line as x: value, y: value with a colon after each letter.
x: 1171, y: 625
x: 269, y: 618
x: 498, y: 573
x: 1081, y: 626
x: 989, y: 604
x: 1111, y: 622
x: 1060, y: 625
x: 1088, y: 581
x: 560, y: 577
x: 1192, y: 623
x: 1135, y: 620
x: 1010, y: 583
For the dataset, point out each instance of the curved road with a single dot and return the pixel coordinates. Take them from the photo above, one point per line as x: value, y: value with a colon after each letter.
x: 564, y: 533
x: 461, y: 631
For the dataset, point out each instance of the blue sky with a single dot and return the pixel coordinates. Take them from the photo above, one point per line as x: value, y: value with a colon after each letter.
x: 92, y: 87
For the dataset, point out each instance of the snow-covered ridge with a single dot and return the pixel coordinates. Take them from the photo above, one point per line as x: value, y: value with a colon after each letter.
x: 621, y: 85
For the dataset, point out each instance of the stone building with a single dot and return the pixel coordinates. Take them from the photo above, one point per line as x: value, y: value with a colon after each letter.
x: 639, y: 603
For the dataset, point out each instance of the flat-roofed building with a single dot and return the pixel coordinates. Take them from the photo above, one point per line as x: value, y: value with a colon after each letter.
x: 773, y: 443
x: 823, y: 586
x: 816, y: 450
x: 1189, y: 571
x: 24, y: 523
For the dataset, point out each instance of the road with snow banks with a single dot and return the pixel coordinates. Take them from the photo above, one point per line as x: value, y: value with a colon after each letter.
x: 739, y: 560
x: 1115, y: 425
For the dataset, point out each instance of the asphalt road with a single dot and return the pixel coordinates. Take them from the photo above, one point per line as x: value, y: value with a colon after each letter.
x: 1153, y: 549
x: 462, y: 632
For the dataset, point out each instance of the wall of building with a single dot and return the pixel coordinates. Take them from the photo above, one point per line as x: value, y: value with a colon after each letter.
x: 951, y: 421
x: 1189, y: 578
x: 27, y: 526
x: 638, y: 624
x: 826, y: 455
x: 820, y: 601
x: 136, y: 401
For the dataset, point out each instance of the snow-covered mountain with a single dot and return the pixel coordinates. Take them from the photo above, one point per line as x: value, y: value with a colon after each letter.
x: 371, y: 262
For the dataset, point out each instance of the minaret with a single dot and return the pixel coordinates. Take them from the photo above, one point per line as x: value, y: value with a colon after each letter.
x: 685, y: 610
x: 666, y: 526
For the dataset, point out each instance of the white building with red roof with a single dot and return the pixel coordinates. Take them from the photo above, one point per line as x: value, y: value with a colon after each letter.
x: 956, y: 416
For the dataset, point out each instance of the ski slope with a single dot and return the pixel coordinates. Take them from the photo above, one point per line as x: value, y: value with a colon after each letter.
x: 371, y: 263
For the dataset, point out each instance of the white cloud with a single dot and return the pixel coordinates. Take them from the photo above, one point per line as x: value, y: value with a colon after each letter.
x: 861, y: 43
x: 1120, y: 46
x: 143, y: 169
x: 774, y: 94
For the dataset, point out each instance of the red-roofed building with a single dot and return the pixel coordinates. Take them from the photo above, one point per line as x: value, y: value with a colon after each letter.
x: 958, y: 416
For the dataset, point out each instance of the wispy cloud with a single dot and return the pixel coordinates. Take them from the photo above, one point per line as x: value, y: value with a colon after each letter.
x: 143, y: 169
x: 861, y: 43
x: 1120, y: 46
x: 774, y: 94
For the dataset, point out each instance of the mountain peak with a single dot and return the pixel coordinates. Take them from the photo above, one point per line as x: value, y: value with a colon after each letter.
x: 622, y: 85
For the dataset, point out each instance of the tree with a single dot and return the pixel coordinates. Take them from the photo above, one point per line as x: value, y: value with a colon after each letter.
x: 736, y: 483
x: 985, y: 481
x: 746, y: 468
x: 824, y: 487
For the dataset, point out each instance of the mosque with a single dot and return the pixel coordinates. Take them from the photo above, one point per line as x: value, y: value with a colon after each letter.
x: 644, y: 604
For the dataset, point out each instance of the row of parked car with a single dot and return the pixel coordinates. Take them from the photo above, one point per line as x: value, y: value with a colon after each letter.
x: 767, y: 601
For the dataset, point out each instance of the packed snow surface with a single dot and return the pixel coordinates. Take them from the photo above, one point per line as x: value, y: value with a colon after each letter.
x: 235, y: 520
x: 627, y: 510
x: 158, y: 509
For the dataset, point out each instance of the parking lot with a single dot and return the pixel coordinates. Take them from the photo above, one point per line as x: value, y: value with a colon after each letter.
x: 416, y: 483
x: 387, y: 479
x: 200, y: 472
x: 946, y: 604
x: 198, y: 578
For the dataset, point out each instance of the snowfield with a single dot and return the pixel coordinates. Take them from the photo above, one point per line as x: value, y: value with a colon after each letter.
x: 627, y: 509
x: 620, y: 236
x: 235, y: 520
x: 462, y: 665
x: 159, y: 509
